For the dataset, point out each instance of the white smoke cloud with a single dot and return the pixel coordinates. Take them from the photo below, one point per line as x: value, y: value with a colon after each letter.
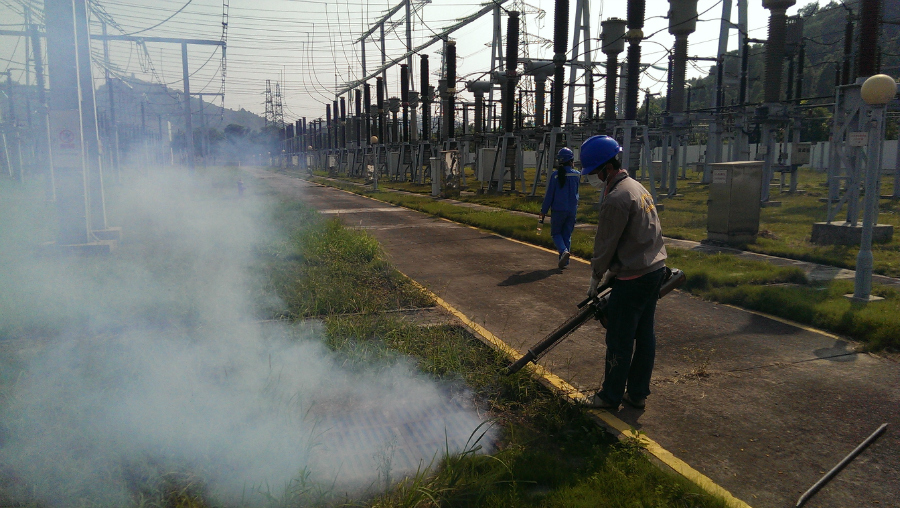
x: 189, y: 382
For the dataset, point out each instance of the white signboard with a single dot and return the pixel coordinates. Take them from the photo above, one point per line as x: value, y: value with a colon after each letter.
x: 858, y: 138
x: 671, y: 151
x: 720, y: 176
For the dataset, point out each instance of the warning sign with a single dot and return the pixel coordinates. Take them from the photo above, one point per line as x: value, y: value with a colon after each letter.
x: 719, y: 176
x: 858, y: 139
x: 65, y: 139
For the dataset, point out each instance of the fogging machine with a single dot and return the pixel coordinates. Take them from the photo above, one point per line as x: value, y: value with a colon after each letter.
x: 590, y: 307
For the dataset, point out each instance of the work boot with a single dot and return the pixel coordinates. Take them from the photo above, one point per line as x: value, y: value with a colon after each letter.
x: 599, y: 402
x: 563, y: 260
x: 635, y: 402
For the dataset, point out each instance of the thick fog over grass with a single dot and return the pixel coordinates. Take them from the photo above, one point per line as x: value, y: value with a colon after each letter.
x: 150, y: 364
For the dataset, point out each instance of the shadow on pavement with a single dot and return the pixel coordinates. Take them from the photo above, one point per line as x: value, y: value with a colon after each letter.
x: 525, y: 278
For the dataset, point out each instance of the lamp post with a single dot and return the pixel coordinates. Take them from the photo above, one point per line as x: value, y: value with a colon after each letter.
x: 876, y: 91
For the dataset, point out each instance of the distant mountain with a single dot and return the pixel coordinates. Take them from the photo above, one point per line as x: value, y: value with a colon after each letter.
x: 161, y: 104
x: 823, y: 39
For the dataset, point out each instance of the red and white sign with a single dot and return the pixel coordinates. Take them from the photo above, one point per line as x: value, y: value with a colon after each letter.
x: 858, y: 138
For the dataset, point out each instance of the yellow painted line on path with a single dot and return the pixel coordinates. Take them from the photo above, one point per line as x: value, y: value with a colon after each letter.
x: 652, y: 447
x: 785, y: 321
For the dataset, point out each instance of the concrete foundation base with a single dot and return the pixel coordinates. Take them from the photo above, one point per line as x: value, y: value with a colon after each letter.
x: 101, y: 247
x: 730, y: 238
x: 769, y: 204
x: 871, y: 298
x: 824, y: 233
x: 108, y: 234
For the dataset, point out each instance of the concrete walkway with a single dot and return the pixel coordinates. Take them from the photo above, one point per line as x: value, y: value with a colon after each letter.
x: 761, y: 407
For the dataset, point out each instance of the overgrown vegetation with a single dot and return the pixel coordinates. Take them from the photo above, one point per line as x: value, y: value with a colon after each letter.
x: 784, y: 232
x: 550, y: 453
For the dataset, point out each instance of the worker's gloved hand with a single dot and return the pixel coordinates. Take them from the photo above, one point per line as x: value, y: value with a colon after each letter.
x: 592, y: 289
x: 607, y: 278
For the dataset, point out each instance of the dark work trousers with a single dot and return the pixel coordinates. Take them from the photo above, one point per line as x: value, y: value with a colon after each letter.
x: 630, y: 338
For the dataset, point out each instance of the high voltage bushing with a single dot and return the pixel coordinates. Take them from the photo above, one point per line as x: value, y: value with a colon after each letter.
x: 775, y: 48
x: 869, y: 21
x: 328, y: 125
x: 512, y: 62
x: 358, y: 109
x: 540, y: 69
x: 613, y: 43
x: 479, y: 88
x: 450, y: 56
x: 335, y: 126
x: 792, y: 43
x: 394, y: 107
x: 560, y: 38
x: 367, y: 104
x: 846, y: 75
x: 635, y: 34
x: 404, y: 99
x: 343, y: 124
x: 682, y: 23
x: 379, y: 93
x: 426, y: 100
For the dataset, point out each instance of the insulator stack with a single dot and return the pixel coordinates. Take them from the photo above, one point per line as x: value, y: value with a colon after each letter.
x: 379, y: 94
x: 682, y: 23
x: 845, y: 75
x: 358, y: 107
x: 540, y: 85
x: 343, y: 124
x: 451, y: 89
x: 613, y: 43
x: 775, y: 48
x: 560, y: 38
x: 869, y: 27
x: 426, y: 100
x: 512, y: 62
x: 328, y: 124
x: 479, y: 113
x: 367, y: 104
x: 636, y: 9
x: 404, y: 99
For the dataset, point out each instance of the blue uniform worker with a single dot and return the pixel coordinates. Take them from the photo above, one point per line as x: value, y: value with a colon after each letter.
x: 561, y: 199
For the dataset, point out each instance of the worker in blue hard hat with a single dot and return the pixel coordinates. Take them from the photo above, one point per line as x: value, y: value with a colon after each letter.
x: 630, y: 257
x: 561, y: 199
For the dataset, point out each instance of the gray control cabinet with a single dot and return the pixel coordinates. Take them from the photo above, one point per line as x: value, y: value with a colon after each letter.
x: 734, y: 206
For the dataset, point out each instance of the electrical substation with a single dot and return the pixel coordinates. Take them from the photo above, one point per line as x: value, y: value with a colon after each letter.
x: 374, y: 143
x: 744, y: 402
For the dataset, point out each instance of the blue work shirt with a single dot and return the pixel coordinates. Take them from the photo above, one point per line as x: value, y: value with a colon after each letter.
x: 562, y: 198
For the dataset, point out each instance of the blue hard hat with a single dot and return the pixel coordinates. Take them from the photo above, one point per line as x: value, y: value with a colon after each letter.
x: 565, y: 154
x: 597, y: 151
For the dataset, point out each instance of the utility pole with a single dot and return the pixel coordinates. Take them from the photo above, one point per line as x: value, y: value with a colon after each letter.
x: 582, y: 28
x: 188, y: 121
x: 92, y: 146
x: 113, y: 124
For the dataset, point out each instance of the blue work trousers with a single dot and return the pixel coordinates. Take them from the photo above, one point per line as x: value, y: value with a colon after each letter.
x: 562, y: 224
x: 630, y: 338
